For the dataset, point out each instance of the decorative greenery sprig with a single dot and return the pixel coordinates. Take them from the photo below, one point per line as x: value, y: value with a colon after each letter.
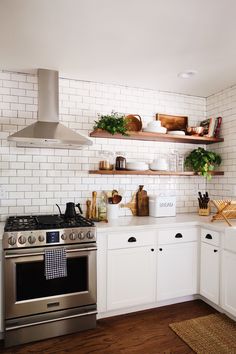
x: 112, y: 123
x: 203, y: 161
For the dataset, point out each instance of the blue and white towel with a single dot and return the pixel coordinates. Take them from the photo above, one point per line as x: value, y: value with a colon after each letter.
x: 55, y: 263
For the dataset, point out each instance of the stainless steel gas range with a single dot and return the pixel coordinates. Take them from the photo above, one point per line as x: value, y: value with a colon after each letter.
x: 38, y: 308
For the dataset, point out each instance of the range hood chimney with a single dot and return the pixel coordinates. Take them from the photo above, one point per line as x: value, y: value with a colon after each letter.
x: 47, y: 132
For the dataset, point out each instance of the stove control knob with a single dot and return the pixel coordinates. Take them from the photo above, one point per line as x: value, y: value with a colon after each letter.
x: 72, y: 236
x: 41, y: 238
x: 31, y: 239
x: 81, y: 235
x: 12, y: 241
x: 63, y: 237
x: 90, y: 235
x: 22, y: 239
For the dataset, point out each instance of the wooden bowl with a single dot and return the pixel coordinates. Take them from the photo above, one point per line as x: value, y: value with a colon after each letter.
x: 195, y: 130
x: 133, y: 122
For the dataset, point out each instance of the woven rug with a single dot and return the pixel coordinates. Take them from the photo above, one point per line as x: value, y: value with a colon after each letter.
x: 212, y: 334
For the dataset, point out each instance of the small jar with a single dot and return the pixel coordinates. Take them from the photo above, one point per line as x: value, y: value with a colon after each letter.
x: 120, y: 163
x: 105, y: 162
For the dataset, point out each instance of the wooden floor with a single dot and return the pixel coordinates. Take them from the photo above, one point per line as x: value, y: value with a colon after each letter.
x: 145, y: 332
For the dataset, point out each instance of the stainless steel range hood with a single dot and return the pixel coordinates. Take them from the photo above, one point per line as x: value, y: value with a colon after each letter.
x: 47, y: 132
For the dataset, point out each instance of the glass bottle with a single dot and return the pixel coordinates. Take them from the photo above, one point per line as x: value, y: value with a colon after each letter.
x: 173, y: 160
x: 102, y: 208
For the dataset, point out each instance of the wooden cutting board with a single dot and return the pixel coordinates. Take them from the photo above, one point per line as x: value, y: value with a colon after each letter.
x: 142, y: 202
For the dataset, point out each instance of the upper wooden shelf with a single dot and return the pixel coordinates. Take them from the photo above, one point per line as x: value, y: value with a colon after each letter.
x: 186, y: 139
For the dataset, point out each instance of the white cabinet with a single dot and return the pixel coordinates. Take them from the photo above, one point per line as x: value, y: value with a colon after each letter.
x: 228, y: 273
x: 210, y: 266
x: 131, y: 269
x: 176, y: 264
x: 210, y: 276
x: 229, y: 282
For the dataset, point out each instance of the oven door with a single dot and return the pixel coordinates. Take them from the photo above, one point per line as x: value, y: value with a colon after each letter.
x: 27, y: 291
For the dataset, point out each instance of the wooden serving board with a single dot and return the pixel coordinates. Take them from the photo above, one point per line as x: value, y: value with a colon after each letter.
x: 142, y: 202
x: 173, y: 122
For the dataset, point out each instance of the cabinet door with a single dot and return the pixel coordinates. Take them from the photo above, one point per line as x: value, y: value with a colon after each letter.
x: 229, y: 282
x: 210, y: 276
x: 130, y: 277
x: 176, y: 270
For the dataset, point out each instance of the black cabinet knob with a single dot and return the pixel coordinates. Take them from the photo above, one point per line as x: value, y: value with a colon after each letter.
x: 215, y: 251
x: 132, y: 239
x: 178, y: 235
x: 160, y: 249
x: 208, y: 236
x: 152, y: 249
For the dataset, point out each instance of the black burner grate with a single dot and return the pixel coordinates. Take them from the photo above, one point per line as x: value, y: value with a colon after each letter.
x: 42, y: 222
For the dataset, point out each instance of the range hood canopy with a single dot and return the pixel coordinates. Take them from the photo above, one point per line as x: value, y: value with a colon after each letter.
x: 47, y: 132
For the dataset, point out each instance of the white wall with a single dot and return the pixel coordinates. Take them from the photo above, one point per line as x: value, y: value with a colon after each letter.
x: 224, y: 104
x: 33, y: 179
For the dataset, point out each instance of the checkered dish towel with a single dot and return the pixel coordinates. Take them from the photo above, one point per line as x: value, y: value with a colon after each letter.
x: 55, y: 263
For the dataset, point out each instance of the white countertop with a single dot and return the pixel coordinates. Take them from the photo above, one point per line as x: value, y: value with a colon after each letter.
x: 150, y: 222
x: 127, y: 222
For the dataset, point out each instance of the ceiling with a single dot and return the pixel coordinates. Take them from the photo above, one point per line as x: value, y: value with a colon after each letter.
x: 141, y: 43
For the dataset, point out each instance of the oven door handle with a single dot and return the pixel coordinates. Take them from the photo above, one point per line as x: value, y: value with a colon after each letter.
x: 16, y: 255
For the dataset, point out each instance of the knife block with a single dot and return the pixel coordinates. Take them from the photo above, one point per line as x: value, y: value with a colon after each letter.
x: 205, y: 211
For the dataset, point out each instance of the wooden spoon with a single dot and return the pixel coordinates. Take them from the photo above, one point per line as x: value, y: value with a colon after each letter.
x: 94, y: 206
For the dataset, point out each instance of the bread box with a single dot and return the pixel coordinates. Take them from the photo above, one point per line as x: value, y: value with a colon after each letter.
x: 160, y: 206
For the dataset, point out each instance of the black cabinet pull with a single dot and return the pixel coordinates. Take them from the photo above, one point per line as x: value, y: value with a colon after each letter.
x: 152, y: 249
x: 215, y: 250
x: 178, y: 235
x: 132, y: 239
x: 160, y: 249
x: 209, y: 237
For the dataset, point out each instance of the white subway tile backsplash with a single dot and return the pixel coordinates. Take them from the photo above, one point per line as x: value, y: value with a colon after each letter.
x: 43, y: 177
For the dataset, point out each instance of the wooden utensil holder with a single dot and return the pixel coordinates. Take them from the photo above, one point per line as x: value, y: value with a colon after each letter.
x: 205, y: 211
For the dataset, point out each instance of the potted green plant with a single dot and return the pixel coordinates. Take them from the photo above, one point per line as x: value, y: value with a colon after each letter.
x: 112, y: 123
x: 203, y: 161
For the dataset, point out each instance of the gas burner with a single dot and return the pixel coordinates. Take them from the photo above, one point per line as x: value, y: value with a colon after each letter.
x: 21, y: 223
x: 42, y: 222
x: 47, y: 230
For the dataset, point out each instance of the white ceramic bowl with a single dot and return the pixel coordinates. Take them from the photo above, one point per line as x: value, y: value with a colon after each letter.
x: 154, y: 124
x: 176, y: 132
x: 137, y: 166
x: 160, y: 164
x: 161, y: 130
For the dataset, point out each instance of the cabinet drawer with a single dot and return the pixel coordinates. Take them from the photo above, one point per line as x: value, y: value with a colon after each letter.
x: 210, y: 236
x: 230, y: 240
x: 131, y: 239
x: 177, y: 235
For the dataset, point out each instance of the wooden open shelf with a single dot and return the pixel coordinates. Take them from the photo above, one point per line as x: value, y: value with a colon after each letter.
x: 151, y: 173
x: 185, y: 139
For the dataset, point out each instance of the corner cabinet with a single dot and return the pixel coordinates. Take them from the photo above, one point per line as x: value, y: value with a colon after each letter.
x: 177, y: 263
x: 131, y: 269
x: 210, y: 265
x: 228, y: 273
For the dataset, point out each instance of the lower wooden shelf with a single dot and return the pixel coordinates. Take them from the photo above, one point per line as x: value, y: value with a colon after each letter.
x: 151, y: 173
